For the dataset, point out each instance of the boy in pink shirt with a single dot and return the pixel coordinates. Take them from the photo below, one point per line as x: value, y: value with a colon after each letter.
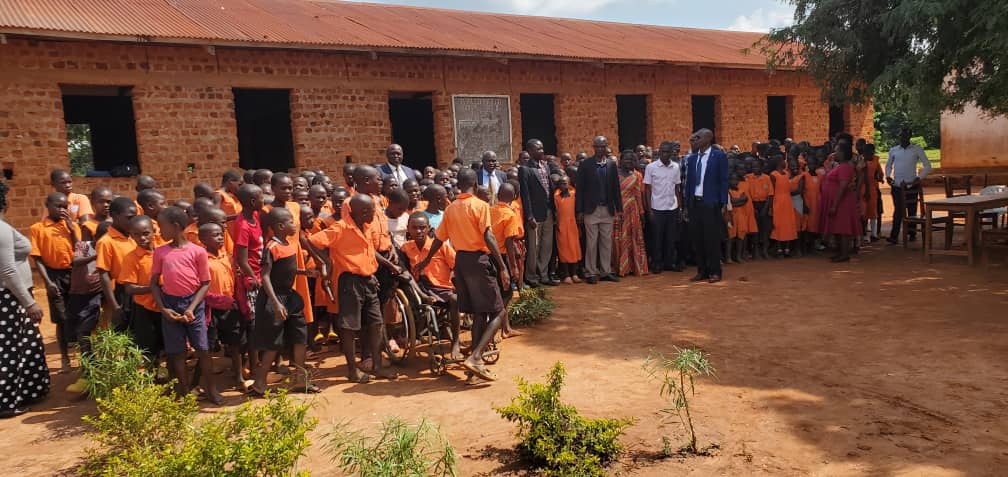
x: 180, y: 279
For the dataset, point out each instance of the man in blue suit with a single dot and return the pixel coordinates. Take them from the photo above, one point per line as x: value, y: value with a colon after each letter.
x: 395, y: 167
x: 706, y: 196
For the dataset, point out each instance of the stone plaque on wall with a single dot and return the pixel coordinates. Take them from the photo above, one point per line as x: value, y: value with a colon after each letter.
x: 482, y: 123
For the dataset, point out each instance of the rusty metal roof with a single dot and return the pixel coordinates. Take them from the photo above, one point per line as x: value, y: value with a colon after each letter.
x: 339, y: 25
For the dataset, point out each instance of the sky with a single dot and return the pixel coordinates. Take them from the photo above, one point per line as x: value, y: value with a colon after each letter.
x: 743, y: 15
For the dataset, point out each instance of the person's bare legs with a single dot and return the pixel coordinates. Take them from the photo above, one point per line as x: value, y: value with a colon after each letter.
x: 302, y: 380
x: 235, y: 354
x: 260, y: 371
x: 177, y: 367
x: 205, y: 363
x: 483, y: 331
x: 456, y: 328
x: 347, y: 339
x: 374, y: 338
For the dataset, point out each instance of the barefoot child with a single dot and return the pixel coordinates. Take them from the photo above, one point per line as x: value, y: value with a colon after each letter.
x: 280, y: 310
x: 53, y: 241
x: 225, y: 320
x: 568, y: 240
x: 110, y: 251
x: 760, y: 192
x: 248, y: 244
x: 152, y: 203
x: 180, y: 279
x: 741, y: 216
x: 506, y: 227
x: 785, y: 228
x: 84, y: 300
x: 145, y: 316
x: 478, y: 282
x: 436, y: 279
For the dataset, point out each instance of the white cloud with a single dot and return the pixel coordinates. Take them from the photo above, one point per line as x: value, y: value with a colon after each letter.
x: 762, y: 20
x: 556, y: 7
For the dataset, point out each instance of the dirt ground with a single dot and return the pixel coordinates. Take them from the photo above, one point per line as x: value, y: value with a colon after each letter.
x: 880, y: 366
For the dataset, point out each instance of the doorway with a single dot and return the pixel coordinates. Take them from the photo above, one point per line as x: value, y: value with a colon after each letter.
x: 411, y: 116
x: 836, y: 120
x: 538, y: 120
x: 777, y: 118
x: 704, y: 113
x: 631, y: 120
x: 265, y: 140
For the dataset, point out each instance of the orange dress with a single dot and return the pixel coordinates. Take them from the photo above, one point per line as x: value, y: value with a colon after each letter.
x: 567, y: 239
x: 785, y: 225
x: 872, y: 168
x: 813, y: 185
x: 743, y: 216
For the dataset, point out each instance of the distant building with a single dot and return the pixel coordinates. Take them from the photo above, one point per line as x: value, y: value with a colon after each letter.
x: 973, y: 140
x: 189, y: 89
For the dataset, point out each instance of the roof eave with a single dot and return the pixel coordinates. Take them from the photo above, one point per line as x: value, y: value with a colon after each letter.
x: 203, y: 42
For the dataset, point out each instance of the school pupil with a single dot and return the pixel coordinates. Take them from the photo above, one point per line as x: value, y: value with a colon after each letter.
x: 77, y: 204
x: 436, y: 279
x: 145, y: 315
x: 478, y: 282
x: 398, y: 218
x: 100, y: 197
x: 740, y: 221
x: 248, y: 243
x: 506, y: 226
x: 760, y: 192
x: 785, y: 228
x: 437, y: 199
x: 180, y: 279
x: 152, y: 203
x: 280, y: 310
x: 84, y: 300
x: 225, y: 320
x: 568, y: 240
x: 110, y: 251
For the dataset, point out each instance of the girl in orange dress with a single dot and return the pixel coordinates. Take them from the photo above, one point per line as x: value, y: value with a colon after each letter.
x: 567, y: 238
x: 873, y: 171
x: 813, y: 183
x: 743, y: 221
x: 785, y: 225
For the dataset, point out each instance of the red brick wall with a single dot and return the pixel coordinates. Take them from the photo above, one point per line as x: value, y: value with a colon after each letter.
x: 339, y: 105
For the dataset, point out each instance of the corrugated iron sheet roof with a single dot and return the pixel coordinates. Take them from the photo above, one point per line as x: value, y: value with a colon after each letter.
x: 349, y: 25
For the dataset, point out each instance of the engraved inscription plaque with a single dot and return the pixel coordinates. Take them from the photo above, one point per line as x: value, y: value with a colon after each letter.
x: 482, y: 123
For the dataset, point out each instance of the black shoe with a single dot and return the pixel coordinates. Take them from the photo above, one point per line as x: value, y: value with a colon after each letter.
x: 913, y: 238
x: 591, y: 280
x: 675, y: 268
x: 610, y: 278
x: 13, y: 412
x: 892, y: 241
x: 655, y: 269
x: 531, y: 284
x: 699, y: 278
x: 550, y: 283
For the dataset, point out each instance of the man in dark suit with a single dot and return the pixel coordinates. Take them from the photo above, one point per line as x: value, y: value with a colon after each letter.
x: 490, y: 175
x: 706, y: 195
x: 538, y: 210
x: 596, y: 204
x: 394, y: 167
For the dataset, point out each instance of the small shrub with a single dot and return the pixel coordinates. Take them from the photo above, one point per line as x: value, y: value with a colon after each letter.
x: 114, y: 362
x: 919, y: 141
x: 676, y: 375
x: 558, y: 441
x: 400, y: 449
x: 532, y: 306
x: 146, y: 433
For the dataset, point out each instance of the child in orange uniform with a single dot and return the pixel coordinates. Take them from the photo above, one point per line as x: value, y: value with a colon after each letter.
x: 145, y: 322
x: 436, y: 279
x: 506, y: 226
x: 785, y: 227
x: 568, y: 241
x: 743, y: 222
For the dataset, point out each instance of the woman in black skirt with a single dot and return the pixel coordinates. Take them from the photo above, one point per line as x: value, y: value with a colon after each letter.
x: 24, y: 376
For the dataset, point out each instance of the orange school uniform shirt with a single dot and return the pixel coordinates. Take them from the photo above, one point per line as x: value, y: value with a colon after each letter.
x: 91, y: 226
x: 378, y: 228
x: 222, y: 276
x: 517, y: 206
x: 740, y: 218
x: 568, y: 240
x: 785, y: 223
x: 439, y: 269
x: 51, y: 242
x: 465, y: 220
x: 760, y: 187
x: 111, y: 250
x: 350, y: 251
x: 192, y: 234
x: 136, y: 270
x: 229, y: 203
x: 157, y: 240
x: 79, y: 205
x: 504, y: 223
x: 813, y: 186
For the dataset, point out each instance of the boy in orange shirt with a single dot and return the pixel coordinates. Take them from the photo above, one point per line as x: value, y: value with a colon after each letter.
x: 478, y: 281
x: 436, y: 279
x: 225, y: 320
x: 506, y: 227
x: 110, y: 251
x: 145, y: 322
x: 101, y: 197
x: 152, y: 203
x: 78, y: 204
x: 354, y: 264
x: 53, y: 241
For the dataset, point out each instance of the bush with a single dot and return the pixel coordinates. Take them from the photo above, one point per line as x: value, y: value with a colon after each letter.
x: 558, y: 441
x: 919, y: 141
x: 532, y: 306
x: 399, y: 450
x: 145, y: 432
x: 114, y: 362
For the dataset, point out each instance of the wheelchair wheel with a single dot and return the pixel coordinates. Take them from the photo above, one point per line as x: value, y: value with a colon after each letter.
x: 492, y: 353
x: 403, y: 332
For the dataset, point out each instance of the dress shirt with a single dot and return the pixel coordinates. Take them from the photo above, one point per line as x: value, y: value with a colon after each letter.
x: 701, y: 171
x: 902, y: 164
x: 492, y: 183
x: 663, y: 181
x: 399, y: 173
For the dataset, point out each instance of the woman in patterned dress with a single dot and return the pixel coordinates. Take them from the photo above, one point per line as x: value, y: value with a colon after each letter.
x: 630, y: 254
x: 24, y: 376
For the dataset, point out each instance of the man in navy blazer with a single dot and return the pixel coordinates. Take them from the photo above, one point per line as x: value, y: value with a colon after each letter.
x: 395, y: 167
x: 706, y: 196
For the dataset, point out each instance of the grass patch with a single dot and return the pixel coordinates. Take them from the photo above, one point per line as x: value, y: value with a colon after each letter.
x: 532, y: 306
x: 399, y: 449
x: 933, y: 155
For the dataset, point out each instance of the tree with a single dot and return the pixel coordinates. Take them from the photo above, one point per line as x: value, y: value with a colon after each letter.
x: 918, y: 56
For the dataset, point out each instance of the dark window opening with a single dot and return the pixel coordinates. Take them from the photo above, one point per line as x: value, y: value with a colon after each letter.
x: 412, y: 119
x: 631, y: 120
x: 777, y: 118
x: 836, y: 120
x: 704, y: 113
x: 265, y: 140
x: 101, y: 130
x: 538, y: 120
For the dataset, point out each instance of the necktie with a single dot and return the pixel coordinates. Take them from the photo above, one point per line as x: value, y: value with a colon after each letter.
x: 493, y: 188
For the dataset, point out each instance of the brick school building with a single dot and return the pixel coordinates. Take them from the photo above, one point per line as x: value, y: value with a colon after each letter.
x: 185, y: 90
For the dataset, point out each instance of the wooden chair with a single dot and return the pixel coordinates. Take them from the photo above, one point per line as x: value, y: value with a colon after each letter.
x: 938, y: 223
x: 957, y: 187
x: 990, y: 216
x: 992, y: 239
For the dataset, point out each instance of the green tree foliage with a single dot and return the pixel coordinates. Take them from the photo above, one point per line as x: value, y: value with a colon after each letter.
x: 888, y: 124
x: 559, y: 441
x: 923, y: 56
x: 400, y: 449
x: 79, y: 148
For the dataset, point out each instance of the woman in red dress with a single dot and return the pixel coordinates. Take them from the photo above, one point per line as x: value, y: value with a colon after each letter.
x: 838, y: 204
x: 629, y: 254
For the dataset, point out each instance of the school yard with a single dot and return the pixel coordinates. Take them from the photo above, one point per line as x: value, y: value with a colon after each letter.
x: 882, y: 366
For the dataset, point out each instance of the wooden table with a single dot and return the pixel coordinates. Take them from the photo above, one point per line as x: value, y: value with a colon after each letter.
x: 971, y: 206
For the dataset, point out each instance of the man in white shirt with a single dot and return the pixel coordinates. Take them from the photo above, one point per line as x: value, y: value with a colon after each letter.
x: 661, y: 200
x: 394, y: 167
x: 902, y: 174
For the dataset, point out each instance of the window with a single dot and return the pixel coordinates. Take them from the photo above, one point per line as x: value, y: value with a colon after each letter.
x: 704, y: 113
x: 411, y: 116
x: 101, y: 131
x: 631, y: 120
x: 836, y: 120
x: 265, y: 140
x: 538, y: 120
x: 777, y: 118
